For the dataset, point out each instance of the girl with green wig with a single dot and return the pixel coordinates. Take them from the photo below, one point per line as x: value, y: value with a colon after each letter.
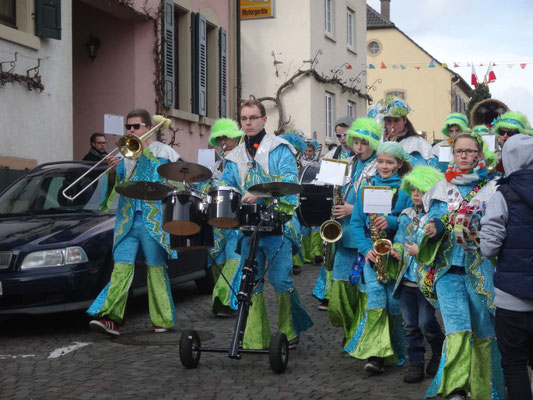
x: 454, y: 272
x: 507, y: 125
x: 418, y: 314
x: 379, y: 336
x: 454, y: 124
x: 346, y: 303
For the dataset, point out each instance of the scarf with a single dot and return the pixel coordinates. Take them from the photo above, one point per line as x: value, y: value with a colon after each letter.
x: 97, y: 153
x: 252, y: 142
x: 464, y: 177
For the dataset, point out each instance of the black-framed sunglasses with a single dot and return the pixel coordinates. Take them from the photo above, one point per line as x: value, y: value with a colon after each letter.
x: 507, y: 132
x: 134, y: 126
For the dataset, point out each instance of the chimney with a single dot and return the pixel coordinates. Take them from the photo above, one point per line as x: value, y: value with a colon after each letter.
x: 385, y: 9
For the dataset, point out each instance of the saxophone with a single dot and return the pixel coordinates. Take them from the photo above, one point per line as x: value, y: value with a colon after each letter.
x: 381, y: 246
x: 331, y: 230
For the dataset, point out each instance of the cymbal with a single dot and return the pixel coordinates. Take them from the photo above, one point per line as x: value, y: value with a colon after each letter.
x: 182, y: 171
x: 275, y: 189
x: 143, y: 190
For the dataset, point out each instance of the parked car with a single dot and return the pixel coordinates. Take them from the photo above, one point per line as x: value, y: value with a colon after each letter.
x: 56, y: 255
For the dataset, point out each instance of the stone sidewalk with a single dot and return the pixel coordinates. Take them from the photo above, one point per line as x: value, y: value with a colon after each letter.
x: 143, y: 365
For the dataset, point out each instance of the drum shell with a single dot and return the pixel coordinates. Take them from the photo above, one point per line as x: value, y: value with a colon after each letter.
x: 223, y: 209
x: 316, y: 201
x: 250, y: 217
x: 182, y: 213
x: 201, y: 240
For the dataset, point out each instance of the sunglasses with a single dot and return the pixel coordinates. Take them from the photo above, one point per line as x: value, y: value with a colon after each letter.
x: 340, y: 135
x: 134, y: 126
x: 503, y: 132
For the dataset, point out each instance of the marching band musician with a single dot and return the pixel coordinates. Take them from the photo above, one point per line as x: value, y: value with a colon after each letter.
x: 379, y: 339
x: 460, y: 279
x: 261, y: 158
x: 322, y: 286
x: 393, y: 111
x: 507, y: 125
x: 454, y: 124
x: 225, y: 135
x: 346, y: 303
x: 138, y: 224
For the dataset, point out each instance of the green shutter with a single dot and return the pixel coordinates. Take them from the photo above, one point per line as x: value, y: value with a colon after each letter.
x: 169, y: 95
x: 222, y: 72
x: 199, y: 64
x: 48, y: 18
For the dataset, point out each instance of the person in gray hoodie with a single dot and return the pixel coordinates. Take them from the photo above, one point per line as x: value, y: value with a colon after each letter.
x: 506, y: 232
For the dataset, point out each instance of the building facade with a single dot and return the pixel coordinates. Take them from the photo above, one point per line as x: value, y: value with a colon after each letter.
x: 326, y: 36
x: 399, y: 66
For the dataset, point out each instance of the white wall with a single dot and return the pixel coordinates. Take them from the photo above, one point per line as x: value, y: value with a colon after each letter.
x: 39, y: 125
x: 296, y: 34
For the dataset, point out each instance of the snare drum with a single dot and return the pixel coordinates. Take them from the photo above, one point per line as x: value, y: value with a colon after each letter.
x: 223, y: 209
x: 316, y: 200
x: 202, y: 240
x: 182, y: 213
x: 250, y: 216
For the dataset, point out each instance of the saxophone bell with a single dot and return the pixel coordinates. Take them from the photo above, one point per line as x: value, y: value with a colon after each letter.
x: 382, y: 247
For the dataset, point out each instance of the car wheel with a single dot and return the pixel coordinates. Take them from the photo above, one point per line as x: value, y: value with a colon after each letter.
x: 278, y: 352
x: 189, y: 345
x: 205, y: 285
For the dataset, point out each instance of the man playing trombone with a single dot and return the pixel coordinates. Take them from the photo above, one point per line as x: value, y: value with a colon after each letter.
x: 138, y: 224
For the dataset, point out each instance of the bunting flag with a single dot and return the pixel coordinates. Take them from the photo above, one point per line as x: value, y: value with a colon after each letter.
x: 370, y: 66
x: 348, y: 66
x: 455, y: 65
x: 402, y: 67
x: 383, y: 66
x: 432, y: 64
x: 474, y: 81
x: 523, y: 65
x: 444, y: 65
x: 417, y: 67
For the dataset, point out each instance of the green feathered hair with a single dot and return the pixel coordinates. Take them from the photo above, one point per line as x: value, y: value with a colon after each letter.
x: 455, y: 119
x: 363, y: 128
x: 422, y: 178
x: 511, y: 120
x: 224, y: 127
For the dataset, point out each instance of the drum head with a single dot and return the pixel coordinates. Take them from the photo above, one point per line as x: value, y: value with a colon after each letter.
x: 181, y: 228
x: 224, y: 222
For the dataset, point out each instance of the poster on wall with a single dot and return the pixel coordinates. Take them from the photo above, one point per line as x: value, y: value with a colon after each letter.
x: 114, y: 124
x: 254, y: 9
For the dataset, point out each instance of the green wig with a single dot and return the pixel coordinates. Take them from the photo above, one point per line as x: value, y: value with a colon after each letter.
x: 422, y: 178
x: 224, y: 127
x: 512, y: 121
x: 455, y: 119
x: 367, y: 129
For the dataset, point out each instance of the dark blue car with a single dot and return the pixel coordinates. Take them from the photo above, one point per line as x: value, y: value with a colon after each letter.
x: 55, y: 255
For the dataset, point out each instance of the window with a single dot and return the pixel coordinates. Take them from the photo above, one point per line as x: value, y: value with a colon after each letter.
x: 350, y: 29
x: 8, y: 15
x: 329, y: 17
x: 350, y: 109
x: 330, y: 112
x: 396, y: 93
x: 374, y: 48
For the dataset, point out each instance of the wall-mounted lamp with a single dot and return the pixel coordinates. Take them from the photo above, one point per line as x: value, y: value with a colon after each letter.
x: 92, y: 47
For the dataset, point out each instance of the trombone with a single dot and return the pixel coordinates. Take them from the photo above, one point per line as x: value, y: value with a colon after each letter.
x: 130, y: 146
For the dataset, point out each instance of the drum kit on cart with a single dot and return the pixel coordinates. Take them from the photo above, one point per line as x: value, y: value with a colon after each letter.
x: 189, y: 217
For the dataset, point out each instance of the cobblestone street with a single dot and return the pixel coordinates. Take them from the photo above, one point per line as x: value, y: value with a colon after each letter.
x: 57, y: 357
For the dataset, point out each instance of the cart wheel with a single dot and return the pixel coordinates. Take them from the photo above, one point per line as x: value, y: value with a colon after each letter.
x: 278, y: 352
x: 189, y: 344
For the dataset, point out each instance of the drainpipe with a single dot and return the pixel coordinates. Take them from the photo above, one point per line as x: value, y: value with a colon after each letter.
x: 238, y: 50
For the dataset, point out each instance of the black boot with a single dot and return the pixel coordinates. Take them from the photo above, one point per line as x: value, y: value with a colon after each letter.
x: 375, y: 365
x: 415, y: 373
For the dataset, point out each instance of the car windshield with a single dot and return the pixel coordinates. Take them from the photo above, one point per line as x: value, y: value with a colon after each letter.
x: 43, y: 193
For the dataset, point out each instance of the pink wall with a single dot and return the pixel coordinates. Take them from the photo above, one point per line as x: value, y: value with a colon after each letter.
x: 121, y: 76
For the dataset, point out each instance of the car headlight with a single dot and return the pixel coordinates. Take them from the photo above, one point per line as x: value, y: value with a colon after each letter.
x: 54, y: 258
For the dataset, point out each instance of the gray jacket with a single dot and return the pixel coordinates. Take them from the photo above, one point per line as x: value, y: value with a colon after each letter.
x: 516, y: 154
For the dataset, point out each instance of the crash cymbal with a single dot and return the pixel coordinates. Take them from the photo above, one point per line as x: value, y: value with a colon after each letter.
x: 275, y: 189
x: 143, y: 190
x: 182, y: 171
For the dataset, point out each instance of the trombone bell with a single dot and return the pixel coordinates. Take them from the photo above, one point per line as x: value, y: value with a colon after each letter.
x: 130, y: 146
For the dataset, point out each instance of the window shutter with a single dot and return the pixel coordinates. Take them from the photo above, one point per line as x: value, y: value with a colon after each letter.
x: 199, y: 64
x: 169, y: 95
x: 48, y: 19
x: 222, y: 72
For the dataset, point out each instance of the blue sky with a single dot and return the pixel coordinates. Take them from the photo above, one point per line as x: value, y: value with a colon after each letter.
x: 478, y: 31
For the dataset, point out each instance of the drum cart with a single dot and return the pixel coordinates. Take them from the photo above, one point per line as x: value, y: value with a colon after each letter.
x: 191, y: 348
